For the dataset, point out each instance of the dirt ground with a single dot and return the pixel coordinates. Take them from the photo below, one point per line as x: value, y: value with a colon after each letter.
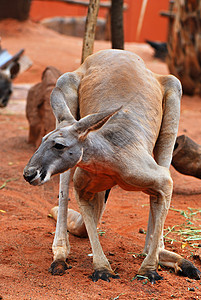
x: 26, y: 231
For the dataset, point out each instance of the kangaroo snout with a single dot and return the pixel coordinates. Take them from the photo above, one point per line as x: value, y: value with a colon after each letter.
x: 30, y: 173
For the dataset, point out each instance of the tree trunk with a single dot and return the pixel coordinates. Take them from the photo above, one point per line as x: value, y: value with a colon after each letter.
x: 117, y: 32
x: 90, y: 28
x: 184, y: 44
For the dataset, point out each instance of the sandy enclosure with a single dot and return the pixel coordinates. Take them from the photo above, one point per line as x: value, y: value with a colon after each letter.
x: 27, y: 232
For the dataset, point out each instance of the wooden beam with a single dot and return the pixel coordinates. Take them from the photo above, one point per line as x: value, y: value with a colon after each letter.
x: 86, y: 3
x: 105, y: 4
x: 167, y: 14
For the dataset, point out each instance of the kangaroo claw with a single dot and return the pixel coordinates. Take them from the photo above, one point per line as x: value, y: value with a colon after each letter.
x: 58, y: 267
x: 104, y: 275
x: 152, y: 276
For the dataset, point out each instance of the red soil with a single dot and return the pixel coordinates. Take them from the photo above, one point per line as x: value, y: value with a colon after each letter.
x: 27, y: 232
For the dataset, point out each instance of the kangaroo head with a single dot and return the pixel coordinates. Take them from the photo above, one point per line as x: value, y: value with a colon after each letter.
x: 62, y: 148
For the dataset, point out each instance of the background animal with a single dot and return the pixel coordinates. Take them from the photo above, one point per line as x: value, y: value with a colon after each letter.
x: 160, y: 49
x: 5, y: 89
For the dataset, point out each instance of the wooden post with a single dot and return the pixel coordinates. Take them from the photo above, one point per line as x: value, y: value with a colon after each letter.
x: 90, y: 28
x: 117, y: 30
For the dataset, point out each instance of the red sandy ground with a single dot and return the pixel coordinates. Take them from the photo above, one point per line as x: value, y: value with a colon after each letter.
x: 26, y: 232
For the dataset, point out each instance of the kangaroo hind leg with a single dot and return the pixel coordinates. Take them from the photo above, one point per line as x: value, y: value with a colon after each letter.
x: 163, y: 156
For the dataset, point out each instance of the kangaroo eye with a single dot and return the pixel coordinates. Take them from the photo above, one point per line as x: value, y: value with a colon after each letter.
x: 59, y: 146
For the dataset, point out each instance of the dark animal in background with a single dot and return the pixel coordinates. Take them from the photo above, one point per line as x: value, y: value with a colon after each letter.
x: 9, y: 69
x: 160, y: 49
x: 5, y: 89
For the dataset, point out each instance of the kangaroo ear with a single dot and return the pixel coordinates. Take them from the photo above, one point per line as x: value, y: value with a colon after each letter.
x: 93, y: 122
x: 59, y: 106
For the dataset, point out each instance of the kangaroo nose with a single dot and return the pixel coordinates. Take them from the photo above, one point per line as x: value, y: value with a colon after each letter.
x: 29, y: 174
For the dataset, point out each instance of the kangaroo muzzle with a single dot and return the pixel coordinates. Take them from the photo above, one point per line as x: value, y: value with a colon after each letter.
x: 32, y: 175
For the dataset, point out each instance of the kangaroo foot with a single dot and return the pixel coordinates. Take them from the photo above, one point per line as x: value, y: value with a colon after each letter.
x: 75, y: 223
x: 151, y: 275
x: 103, y: 274
x: 58, y: 267
x: 187, y: 269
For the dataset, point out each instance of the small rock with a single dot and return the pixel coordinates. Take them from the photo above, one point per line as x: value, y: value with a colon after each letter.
x: 42, y: 284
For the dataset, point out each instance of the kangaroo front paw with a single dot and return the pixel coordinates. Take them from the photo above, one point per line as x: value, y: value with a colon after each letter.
x: 187, y: 269
x: 151, y: 275
x: 58, y: 267
x: 103, y: 274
